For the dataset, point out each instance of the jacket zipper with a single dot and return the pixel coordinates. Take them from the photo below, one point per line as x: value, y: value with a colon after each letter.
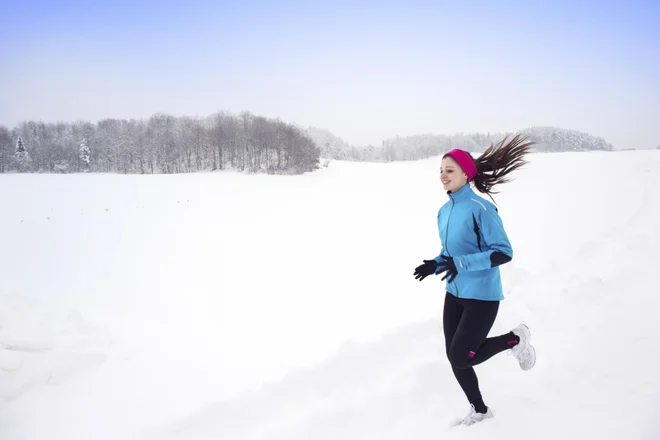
x: 447, y: 241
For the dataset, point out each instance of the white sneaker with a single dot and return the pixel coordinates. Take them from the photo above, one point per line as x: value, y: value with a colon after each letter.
x: 475, y: 417
x: 524, y: 351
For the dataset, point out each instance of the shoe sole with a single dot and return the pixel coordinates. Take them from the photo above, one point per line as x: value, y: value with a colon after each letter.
x: 532, y: 350
x: 459, y: 422
x: 526, y: 334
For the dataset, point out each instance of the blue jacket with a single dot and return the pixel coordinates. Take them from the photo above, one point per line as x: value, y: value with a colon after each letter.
x: 471, y: 231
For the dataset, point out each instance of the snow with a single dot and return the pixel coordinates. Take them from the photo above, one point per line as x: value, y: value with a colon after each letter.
x: 233, y: 306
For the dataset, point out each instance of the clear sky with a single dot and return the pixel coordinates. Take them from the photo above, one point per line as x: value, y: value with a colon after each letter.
x: 366, y: 71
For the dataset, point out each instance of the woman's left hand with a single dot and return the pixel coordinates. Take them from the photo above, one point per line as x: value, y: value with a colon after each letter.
x: 448, y: 266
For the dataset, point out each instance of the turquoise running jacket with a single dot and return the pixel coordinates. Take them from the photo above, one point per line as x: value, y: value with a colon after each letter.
x: 471, y: 231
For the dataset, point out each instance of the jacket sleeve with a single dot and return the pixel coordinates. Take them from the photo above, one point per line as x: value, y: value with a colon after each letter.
x: 498, y: 248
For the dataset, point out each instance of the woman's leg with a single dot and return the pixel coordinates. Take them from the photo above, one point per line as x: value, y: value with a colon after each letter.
x: 470, y: 346
x: 451, y: 317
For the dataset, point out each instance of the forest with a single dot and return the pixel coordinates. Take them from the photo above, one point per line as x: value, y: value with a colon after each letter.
x: 159, y: 144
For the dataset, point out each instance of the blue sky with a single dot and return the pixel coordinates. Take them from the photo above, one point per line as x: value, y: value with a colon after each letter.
x: 366, y: 71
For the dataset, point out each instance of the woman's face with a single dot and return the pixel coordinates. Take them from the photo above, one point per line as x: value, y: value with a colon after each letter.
x: 451, y: 175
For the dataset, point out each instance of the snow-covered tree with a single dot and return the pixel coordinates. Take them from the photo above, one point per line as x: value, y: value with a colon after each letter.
x: 20, y: 147
x: 6, y: 147
x: 21, y: 156
x: 85, y: 154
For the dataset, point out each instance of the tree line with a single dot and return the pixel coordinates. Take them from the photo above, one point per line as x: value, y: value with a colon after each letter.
x: 546, y: 139
x: 400, y: 148
x: 160, y: 144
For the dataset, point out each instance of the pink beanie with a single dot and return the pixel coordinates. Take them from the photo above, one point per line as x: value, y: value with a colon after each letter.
x: 464, y: 161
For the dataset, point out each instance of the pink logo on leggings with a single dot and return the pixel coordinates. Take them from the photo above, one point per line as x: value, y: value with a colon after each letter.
x: 472, y: 353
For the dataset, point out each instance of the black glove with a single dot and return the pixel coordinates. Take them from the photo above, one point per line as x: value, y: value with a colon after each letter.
x: 426, y: 269
x: 449, y: 266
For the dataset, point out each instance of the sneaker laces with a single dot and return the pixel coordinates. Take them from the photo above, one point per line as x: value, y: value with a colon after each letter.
x: 513, y: 351
x: 519, y: 350
x: 471, y: 415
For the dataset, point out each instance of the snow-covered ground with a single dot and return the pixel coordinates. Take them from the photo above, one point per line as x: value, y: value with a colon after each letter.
x: 231, y: 306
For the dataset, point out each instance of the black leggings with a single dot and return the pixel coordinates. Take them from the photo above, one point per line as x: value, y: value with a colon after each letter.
x: 466, y: 323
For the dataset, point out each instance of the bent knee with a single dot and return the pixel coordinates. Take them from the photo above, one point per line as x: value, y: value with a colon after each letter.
x: 461, y: 359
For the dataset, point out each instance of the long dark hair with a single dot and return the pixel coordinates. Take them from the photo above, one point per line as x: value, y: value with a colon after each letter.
x: 494, y: 165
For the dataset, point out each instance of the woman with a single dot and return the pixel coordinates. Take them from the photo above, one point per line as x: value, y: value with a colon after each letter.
x: 474, y: 245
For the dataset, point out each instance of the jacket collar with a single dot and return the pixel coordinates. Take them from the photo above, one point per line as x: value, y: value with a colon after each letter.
x: 462, y: 194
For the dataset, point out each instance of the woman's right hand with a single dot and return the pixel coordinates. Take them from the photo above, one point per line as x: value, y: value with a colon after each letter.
x: 426, y: 269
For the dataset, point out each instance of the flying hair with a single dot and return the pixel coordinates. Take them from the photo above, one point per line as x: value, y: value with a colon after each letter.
x: 498, y: 161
